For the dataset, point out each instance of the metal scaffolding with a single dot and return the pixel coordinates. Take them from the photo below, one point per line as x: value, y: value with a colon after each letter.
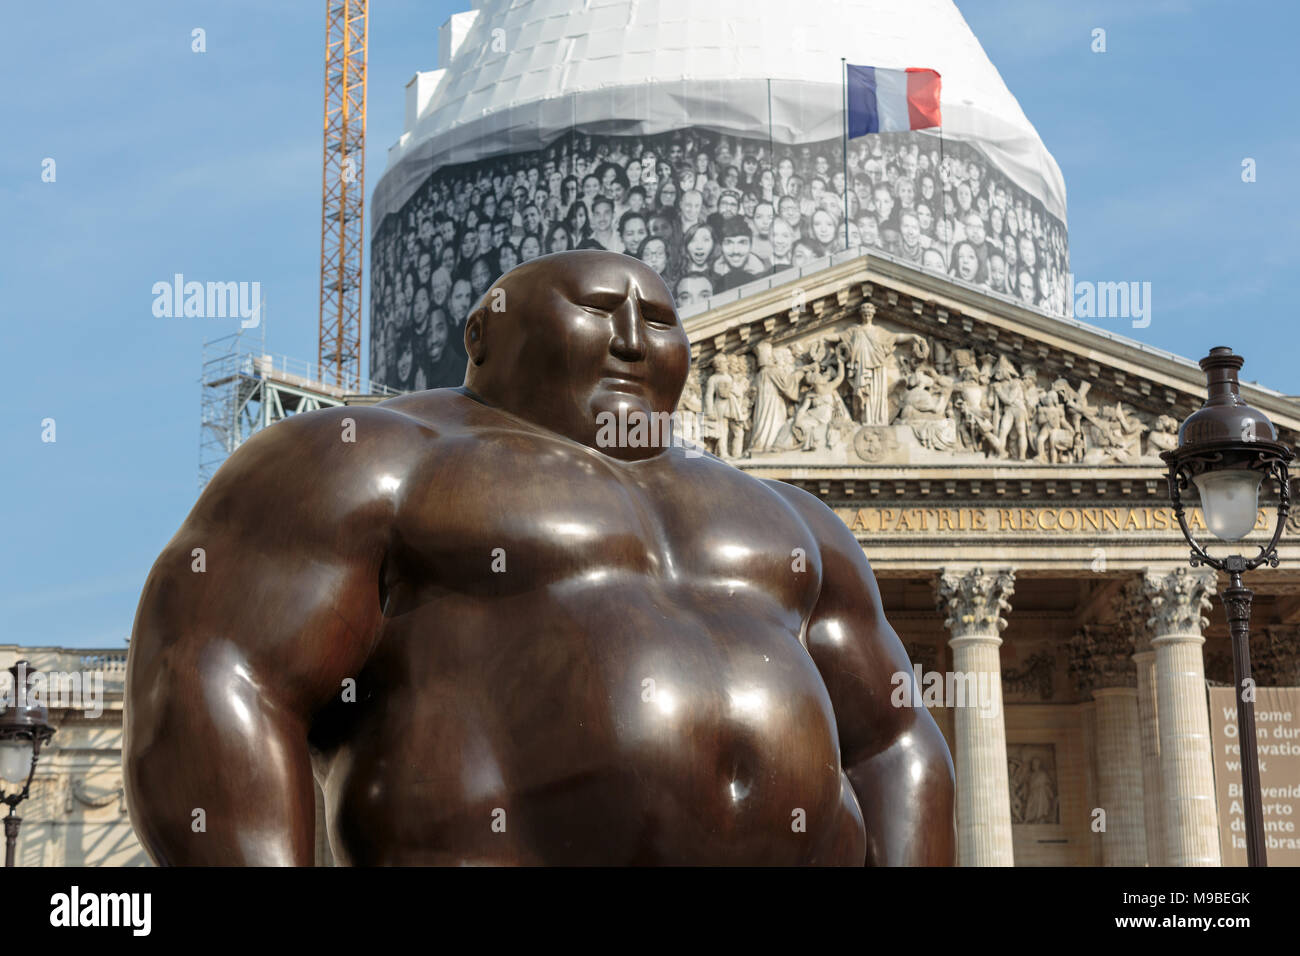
x: 245, y: 389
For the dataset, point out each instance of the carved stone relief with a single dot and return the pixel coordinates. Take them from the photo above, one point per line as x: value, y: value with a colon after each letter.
x: 1101, y: 656
x: 1035, y: 788
x: 926, y: 655
x: 1274, y: 658
x: 869, y: 392
x: 1035, y: 678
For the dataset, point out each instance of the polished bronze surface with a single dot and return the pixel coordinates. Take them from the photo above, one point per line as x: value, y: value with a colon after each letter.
x: 495, y: 640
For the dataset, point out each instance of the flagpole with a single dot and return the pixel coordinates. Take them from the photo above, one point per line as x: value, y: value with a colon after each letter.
x: 947, y: 233
x: 771, y: 143
x: 844, y: 80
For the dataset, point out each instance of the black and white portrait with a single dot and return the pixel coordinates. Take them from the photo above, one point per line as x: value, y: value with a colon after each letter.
x: 708, y: 212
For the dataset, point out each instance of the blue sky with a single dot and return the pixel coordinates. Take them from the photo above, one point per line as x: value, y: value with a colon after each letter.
x: 209, y: 165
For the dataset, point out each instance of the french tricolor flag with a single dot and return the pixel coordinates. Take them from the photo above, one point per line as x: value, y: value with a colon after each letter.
x: 891, y: 101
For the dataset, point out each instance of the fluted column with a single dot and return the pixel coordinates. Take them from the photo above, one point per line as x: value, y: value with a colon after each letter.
x: 1191, y: 818
x: 973, y: 603
x: 1153, y: 796
x: 1135, y: 616
x: 1101, y: 663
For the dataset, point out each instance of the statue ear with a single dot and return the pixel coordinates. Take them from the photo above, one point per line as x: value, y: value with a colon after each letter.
x: 475, y: 336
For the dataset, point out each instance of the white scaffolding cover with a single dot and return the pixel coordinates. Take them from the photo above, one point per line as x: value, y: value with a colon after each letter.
x: 522, y: 72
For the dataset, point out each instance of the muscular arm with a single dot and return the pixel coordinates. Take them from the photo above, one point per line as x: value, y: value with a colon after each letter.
x: 229, y: 663
x: 895, y: 757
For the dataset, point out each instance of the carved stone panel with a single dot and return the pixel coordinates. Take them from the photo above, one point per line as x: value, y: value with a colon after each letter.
x: 1035, y: 788
x: 859, y: 391
x: 926, y: 655
x: 1274, y: 658
x: 1101, y: 656
x: 1033, y: 680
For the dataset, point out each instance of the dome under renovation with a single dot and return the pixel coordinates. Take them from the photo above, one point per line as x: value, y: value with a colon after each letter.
x: 707, y: 140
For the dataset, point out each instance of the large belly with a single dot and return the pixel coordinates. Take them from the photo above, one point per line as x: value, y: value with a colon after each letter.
x: 593, y: 722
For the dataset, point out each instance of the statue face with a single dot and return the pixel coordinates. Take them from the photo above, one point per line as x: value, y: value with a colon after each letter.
x: 583, y: 333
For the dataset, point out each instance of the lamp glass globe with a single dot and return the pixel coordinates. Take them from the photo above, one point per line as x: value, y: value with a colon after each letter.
x: 1230, y: 501
x: 15, y: 760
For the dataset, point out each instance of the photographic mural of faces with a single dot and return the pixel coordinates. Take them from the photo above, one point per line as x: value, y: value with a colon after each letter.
x: 674, y: 200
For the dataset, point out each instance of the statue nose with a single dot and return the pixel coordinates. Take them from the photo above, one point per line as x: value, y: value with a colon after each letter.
x: 628, y: 342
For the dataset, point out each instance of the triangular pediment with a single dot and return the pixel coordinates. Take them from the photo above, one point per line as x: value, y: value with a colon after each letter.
x: 873, y: 363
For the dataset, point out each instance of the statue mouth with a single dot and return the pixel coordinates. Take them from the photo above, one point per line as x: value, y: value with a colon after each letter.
x: 616, y: 382
x: 625, y: 377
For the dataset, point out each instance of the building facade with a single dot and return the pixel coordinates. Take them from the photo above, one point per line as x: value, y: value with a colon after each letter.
x: 999, y: 467
x: 75, y: 814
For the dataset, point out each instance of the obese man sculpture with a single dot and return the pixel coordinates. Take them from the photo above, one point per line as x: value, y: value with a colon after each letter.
x: 495, y: 639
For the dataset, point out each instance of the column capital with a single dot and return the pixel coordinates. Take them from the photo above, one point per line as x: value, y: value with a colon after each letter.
x: 1177, y: 599
x: 1133, y: 615
x: 973, y: 601
x: 1101, y: 656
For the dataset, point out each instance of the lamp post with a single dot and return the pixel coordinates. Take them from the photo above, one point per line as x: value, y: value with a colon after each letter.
x: 1226, y: 449
x: 24, y: 727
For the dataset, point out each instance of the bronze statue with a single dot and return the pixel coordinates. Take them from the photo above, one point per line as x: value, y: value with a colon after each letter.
x: 496, y: 639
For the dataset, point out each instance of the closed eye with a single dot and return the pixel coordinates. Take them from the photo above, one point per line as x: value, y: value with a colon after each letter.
x: 652, y: 314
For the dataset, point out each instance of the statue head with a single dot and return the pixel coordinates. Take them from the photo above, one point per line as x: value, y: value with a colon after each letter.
x: 564, y: 340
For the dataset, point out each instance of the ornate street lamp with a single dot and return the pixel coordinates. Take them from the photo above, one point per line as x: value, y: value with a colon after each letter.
x: 1226, y: 449
x: 24, y: 727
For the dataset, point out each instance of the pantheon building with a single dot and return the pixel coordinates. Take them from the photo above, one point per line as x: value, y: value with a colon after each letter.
x: 887, y: 321
x: 1044, y: 556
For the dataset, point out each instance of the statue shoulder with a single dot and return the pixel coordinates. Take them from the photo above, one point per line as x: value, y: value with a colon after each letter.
x: 318, y: 462
x: 820, y: 519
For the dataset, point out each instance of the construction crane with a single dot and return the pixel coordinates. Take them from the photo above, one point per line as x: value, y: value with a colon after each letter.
x: 343, y: 188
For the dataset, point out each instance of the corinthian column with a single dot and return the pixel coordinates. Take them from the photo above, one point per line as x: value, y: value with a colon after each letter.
x: 1135, y: 615
x: 973, y: 603
x: 1101, y: 663
x: 1191, y: 819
